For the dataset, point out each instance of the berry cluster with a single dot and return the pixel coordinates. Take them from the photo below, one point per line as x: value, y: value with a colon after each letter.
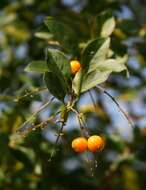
x: 93, y: 143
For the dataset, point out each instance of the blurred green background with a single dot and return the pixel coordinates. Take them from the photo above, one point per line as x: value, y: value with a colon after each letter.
x: 122, y: 164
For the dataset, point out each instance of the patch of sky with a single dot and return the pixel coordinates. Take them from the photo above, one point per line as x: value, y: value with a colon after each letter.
x: 35, y: 105
x: 144, y: 72
x: 119, y: 122
x: 75, y: 5
x: 124, y: 13
x: 21, y: 51
x: 49, y: 134
x: 133, y: 63
x: 71, y: 164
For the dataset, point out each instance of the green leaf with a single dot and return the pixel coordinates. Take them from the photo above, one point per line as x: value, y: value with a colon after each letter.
x: 108, y: 27
x: 59, y: 70
x: 97, y: 48
x: 105, y: 24
x: 7, y: 19
x: 62, y: 33
x: 99, y: 66
x: 37, y: 66
x: 56, y: 85
x: 43, y: 33
x: 95, y: 51
x: 22, y: 157
x: 101, y: 72
x: 61, y: 62
x: 89, y: 80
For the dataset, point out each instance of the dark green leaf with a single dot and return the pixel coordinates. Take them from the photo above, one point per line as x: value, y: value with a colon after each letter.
x: 60, y: 60
x: 22, y: 157
x: 56, y: 86
x: 59, y: 70
x: 62, y: 33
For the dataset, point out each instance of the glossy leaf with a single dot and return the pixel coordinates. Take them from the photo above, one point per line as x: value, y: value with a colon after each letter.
x: 56, y: 85
x: 94, y: 52
x: 62, y: 33
x: 97, y: 48
x: 58, y: 61
x: 59, y: 69
x: 99, y: 68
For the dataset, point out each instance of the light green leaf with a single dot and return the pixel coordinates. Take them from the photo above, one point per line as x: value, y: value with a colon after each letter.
x: 95, y: 51
x: 105, y: 24
x: 108, y: 27
x: 37, y: 66
x: 43, y: 35
x: 7, y: 19
x: 100, y: 73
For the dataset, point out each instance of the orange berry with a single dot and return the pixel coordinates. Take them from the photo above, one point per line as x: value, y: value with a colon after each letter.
x: 79, y: 144
x: 75, y: 66
x: 95, y: 143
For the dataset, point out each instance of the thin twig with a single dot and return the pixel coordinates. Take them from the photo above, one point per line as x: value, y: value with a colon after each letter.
x: 18, y: 98
x: 34, y: 91
x: 49, y: 120
x: 92, y: 98
x: 114, y: 100
x: 81, y: 123
x: 56, y: 142
x: 23, y: 128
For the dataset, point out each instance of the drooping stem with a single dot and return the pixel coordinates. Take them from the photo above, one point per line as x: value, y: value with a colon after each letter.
x: 82, y: 123
x: 118, y: 105
x: 92, y: 98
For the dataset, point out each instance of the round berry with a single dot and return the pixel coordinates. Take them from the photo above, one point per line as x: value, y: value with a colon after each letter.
x: 79, y: 144
x: 95, y: 143
x: 75, y: 66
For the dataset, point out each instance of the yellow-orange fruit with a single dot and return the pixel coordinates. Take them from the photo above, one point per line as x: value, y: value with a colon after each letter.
x: 95, y: 143
x: 79, y: 144
x: 75, y: 66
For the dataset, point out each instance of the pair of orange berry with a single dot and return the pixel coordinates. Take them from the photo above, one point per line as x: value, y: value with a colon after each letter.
x: 94, y: 143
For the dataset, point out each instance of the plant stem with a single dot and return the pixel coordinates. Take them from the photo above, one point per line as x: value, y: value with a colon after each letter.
x: 92, y: 98
x: 114, y: 100
x: 81, y: 123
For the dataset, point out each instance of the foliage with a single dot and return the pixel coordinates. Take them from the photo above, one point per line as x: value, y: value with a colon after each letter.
x: 37, y: 41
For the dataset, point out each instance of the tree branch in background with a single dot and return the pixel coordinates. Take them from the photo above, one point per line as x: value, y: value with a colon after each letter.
x: 24, y: 129
x: 18, y: 98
